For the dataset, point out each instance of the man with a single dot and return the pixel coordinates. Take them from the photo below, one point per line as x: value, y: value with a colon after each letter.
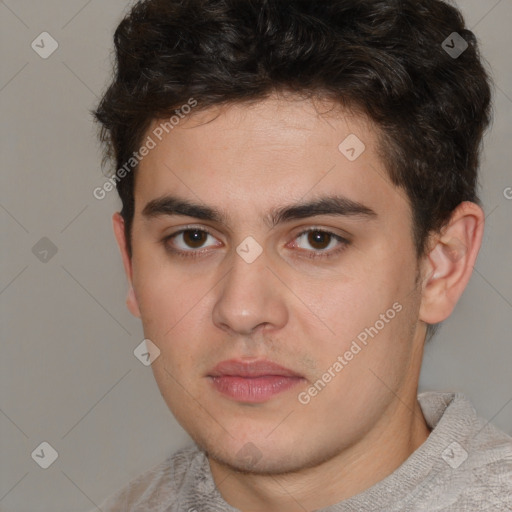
x: 298, y: 183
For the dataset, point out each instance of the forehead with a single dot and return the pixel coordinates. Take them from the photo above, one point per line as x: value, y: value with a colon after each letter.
x: 252, y: 157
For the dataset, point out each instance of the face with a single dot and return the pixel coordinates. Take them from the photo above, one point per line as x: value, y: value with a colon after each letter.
x: 277, y: 275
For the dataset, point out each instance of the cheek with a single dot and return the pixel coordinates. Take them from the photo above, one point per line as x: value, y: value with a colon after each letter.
x: 360, y: 373
x: 344, y: 307
x: 373, y: 305
x: 176, y: 315
x: 165, y: 295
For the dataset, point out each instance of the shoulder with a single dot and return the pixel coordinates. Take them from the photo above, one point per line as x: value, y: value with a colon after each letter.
x: 474, y: 468
x: 489, y: 466
x: 160, y: 487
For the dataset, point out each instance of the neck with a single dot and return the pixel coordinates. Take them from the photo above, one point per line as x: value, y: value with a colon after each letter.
x: 397, y: 435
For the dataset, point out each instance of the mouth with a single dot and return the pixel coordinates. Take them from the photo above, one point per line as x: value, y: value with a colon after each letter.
x: 252, y: 382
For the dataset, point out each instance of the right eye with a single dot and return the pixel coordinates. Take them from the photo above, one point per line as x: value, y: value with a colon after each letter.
x: 190, y: 240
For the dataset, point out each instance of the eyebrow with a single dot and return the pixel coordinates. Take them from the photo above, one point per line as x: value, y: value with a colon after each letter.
x: 330, y: 205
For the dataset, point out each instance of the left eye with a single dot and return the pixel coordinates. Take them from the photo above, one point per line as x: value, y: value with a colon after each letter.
x: 320, y: 241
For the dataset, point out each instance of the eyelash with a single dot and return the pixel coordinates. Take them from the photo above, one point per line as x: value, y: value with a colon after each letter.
x: 185, y: 254
x: 310, y: 254
x: 323, y: 254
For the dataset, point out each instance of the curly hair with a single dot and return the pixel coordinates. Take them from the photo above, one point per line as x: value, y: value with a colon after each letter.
x: 382, y: 58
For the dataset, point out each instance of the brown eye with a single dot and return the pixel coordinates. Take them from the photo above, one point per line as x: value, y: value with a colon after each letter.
x: 319, y: 243
x: 319, y: 239
x: 191, y: 241
x: 194, y: 238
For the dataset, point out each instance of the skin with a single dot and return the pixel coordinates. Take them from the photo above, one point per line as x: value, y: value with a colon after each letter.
x: 299, y: 311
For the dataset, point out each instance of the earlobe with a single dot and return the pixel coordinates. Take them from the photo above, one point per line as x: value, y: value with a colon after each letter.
x: 450, y: 262
x: 119, y: 232
x: 132, y: 302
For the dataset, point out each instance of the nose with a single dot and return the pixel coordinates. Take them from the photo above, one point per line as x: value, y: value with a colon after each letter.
x: 250, y: 299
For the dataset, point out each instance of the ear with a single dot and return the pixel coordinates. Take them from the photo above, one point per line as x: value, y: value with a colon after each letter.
x: 450, y: 262
x: 131, y: 299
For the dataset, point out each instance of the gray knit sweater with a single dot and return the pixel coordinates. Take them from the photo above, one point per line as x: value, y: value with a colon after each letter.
x: 464, y: 465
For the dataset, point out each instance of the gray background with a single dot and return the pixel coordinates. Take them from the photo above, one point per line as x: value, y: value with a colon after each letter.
x: 68, y: 375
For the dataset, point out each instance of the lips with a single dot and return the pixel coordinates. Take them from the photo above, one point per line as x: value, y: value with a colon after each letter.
x: 239, y: 368
x: 252, y: 382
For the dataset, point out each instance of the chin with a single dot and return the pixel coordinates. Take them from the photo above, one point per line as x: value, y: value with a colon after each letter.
x: 254, y: 461
x: 263, y: 458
